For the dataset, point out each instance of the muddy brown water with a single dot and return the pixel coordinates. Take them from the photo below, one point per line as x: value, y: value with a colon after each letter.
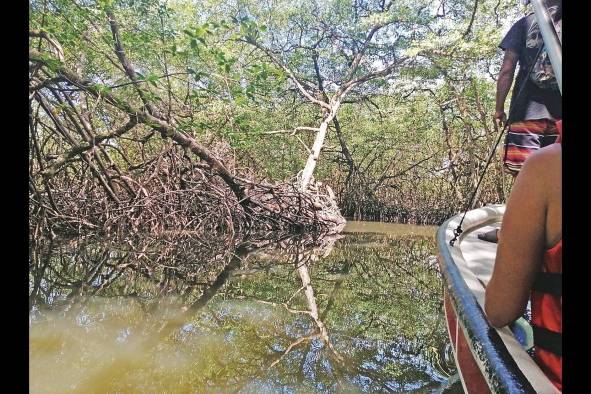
x: 356, y: 313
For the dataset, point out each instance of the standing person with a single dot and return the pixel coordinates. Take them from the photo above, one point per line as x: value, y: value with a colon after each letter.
x: 536, y: 102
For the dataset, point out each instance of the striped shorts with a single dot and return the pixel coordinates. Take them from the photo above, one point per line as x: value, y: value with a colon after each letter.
x: 524, y: 138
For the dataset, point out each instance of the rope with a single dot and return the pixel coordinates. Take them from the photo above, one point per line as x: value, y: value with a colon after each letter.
x: 458, y: 231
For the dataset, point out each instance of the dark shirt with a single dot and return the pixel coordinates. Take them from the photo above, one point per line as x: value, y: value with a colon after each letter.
x: 525, y: 38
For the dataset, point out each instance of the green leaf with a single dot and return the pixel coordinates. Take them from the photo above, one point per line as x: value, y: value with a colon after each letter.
x: 105, y: 4
x: 151, y: 79
x: 102, y: 88
x: 250, y: 90
x: 196, y: 74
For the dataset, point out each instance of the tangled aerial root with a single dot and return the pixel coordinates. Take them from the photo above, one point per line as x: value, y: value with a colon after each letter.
x: 174, y: 194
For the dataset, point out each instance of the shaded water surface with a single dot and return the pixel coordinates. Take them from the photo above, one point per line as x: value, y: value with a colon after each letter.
x: 356, y: 313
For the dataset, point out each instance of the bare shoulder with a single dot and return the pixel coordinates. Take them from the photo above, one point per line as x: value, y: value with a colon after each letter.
x: 542, y: 183
x: 540, y: 180
x: 549, y: 157
x: 551, y: 151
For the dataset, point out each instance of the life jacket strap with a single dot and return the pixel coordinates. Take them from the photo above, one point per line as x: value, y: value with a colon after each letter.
x: 550, y: 341
x: 548, y: 282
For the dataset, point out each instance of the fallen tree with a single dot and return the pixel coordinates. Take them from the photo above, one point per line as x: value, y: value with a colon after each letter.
x: 114, y: 177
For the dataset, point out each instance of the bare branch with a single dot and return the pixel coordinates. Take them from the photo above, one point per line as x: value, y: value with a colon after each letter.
x: 300, y: 84
x: 469, y: 29
x: 81, y: 148
x: 129, y: 70
x: 292, y: 132
x: 54, y: 43
x: 156, y: 123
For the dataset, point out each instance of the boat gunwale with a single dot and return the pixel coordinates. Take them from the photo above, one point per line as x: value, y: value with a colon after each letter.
x: 497, y: 365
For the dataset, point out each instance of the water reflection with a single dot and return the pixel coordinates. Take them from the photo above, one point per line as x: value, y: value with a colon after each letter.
x: 292, y: 315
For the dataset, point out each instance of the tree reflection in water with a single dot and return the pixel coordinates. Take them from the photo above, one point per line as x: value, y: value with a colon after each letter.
x: 355, y: 314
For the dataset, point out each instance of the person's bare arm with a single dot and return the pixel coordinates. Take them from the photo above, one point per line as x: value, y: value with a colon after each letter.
x: 523, y: 241
x: 504, y: 82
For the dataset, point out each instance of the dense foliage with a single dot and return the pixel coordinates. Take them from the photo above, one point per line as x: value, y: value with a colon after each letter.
x: 242, y: 88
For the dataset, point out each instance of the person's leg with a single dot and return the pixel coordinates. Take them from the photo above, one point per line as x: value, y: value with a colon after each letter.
x: 550, y: 134
x: 524, y: 138
x: 490, y: 236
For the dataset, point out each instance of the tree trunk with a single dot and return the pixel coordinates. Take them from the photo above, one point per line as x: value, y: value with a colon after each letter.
x: 317, y: 147
x: 346, y: 153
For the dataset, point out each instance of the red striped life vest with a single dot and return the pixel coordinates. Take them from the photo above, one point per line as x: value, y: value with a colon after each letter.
x: 546, y: 311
